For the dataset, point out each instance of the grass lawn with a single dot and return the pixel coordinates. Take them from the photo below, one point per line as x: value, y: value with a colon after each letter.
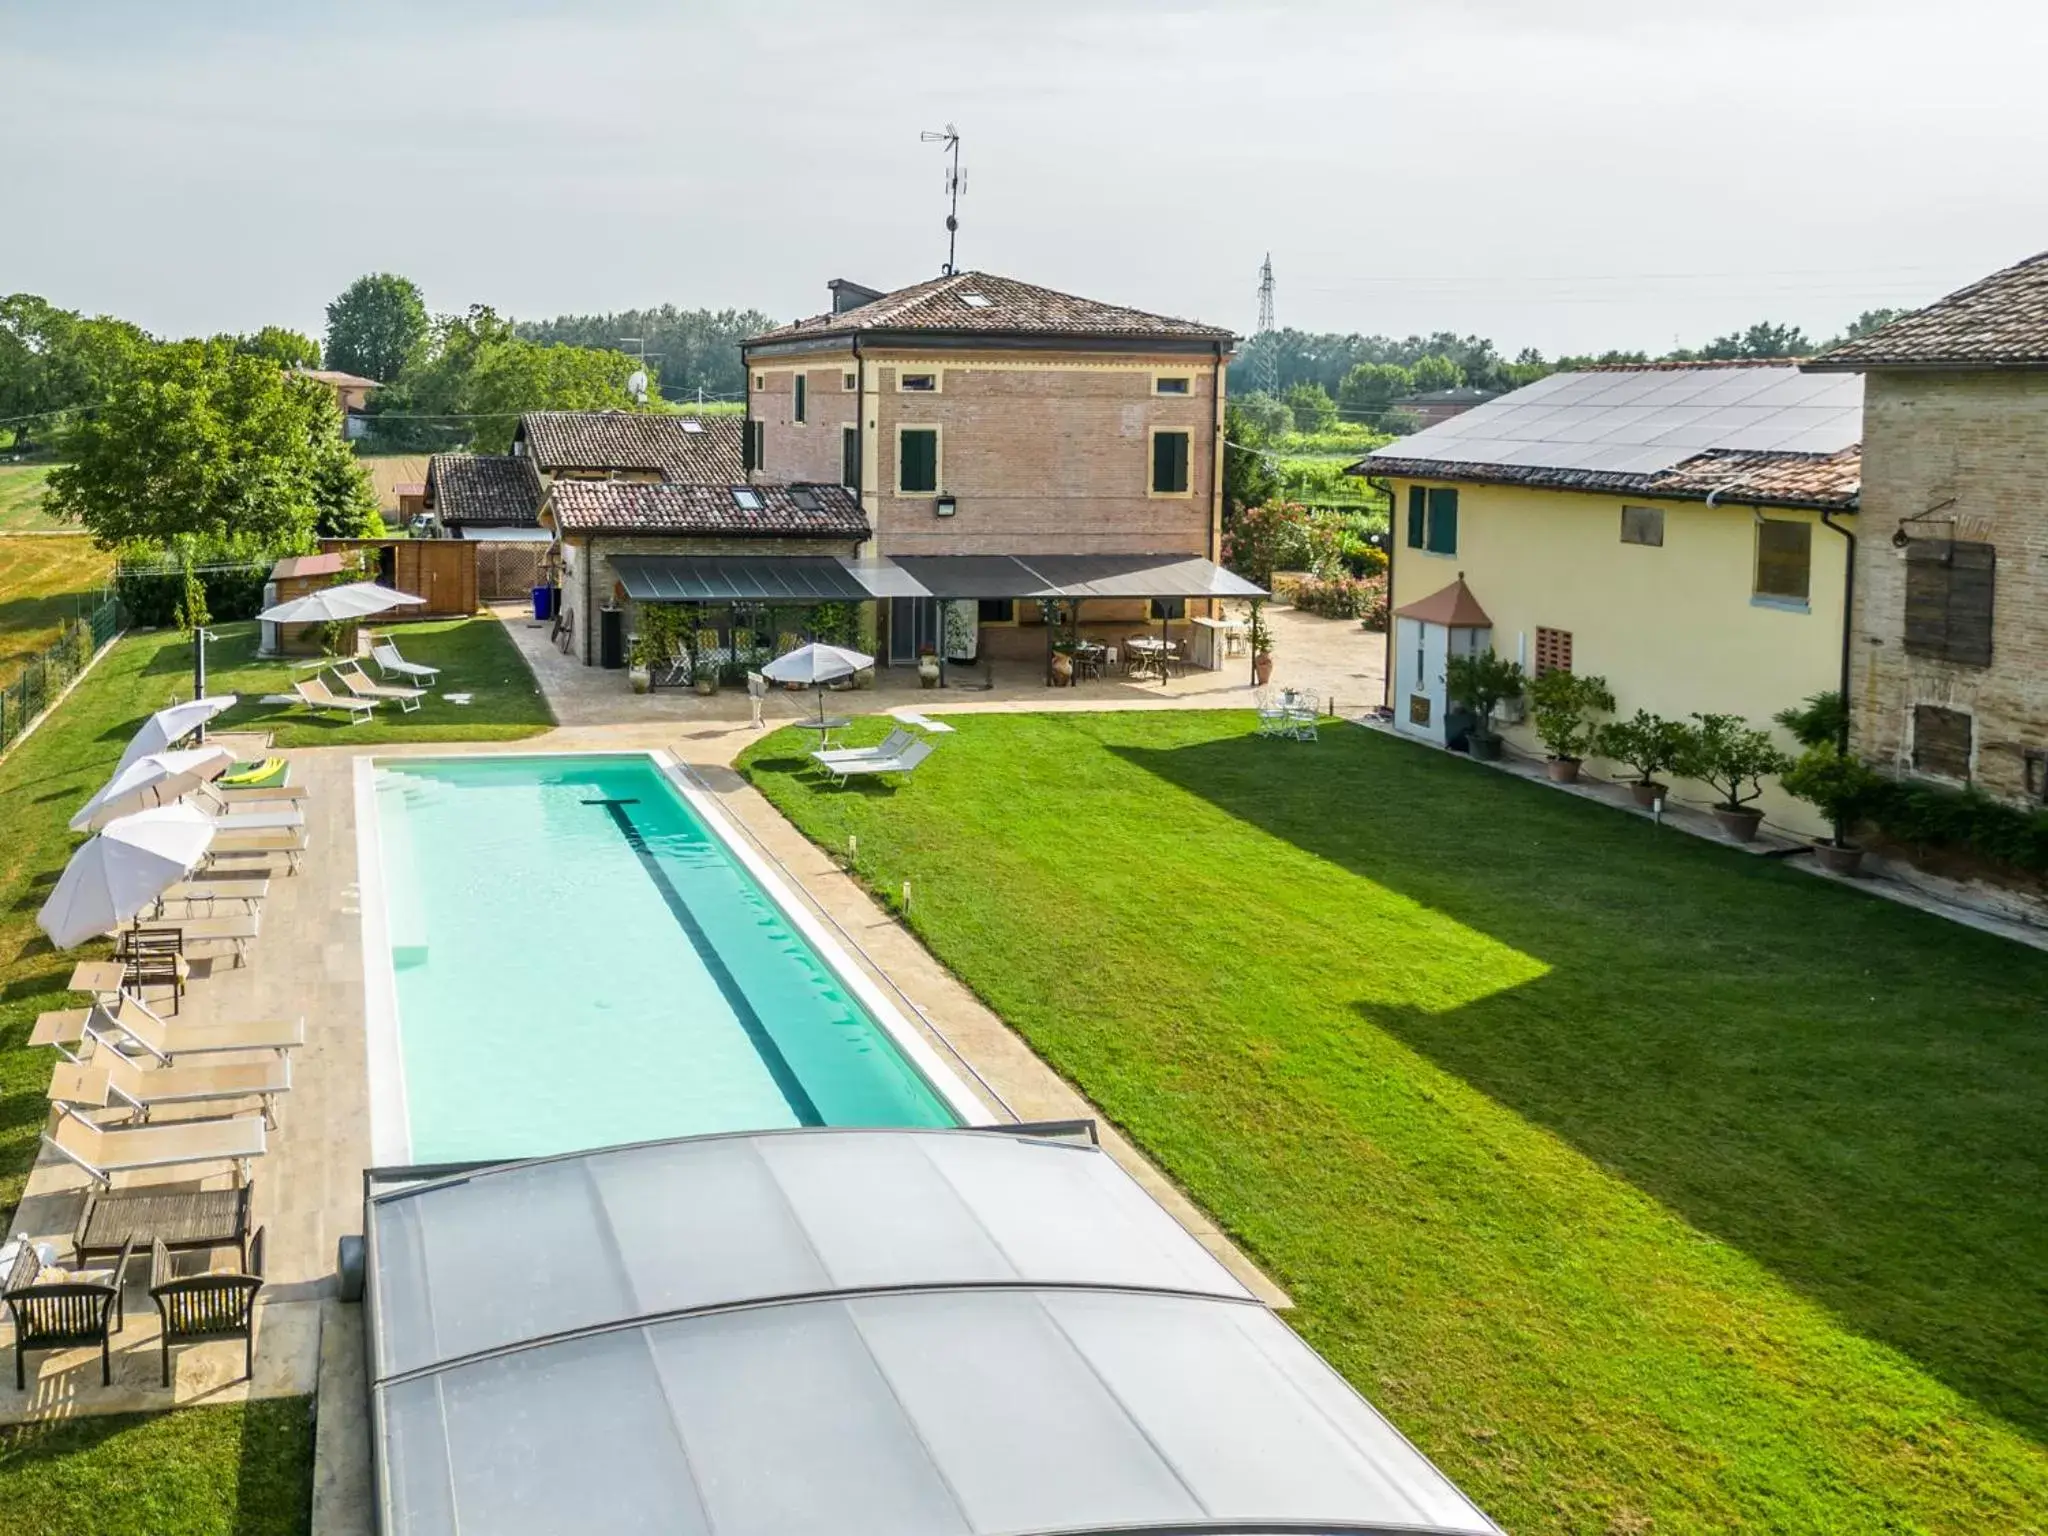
x: 21, y: 498
x: 245, y: 1470
x: 43, y: 583
x: 1649, y: 1186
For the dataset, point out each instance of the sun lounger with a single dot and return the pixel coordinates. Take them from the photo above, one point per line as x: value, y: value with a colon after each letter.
x: 232, y: 840
x: 898, y: 741
x: 314, y: 693
x: 281, y: 794
x: 108, y: 1078
x: 211, y: 893
x: 135, y: 1020
x: 103, y: 1152
x: 385, y: 654
x: 357, y: 682
x: 903, y: 762
x: 239, y: 929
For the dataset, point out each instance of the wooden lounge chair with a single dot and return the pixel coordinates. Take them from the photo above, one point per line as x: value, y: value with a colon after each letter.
x: 385, y: 654
x: 135, y: 1020
x: 314, y: 693
x: 358, y: 682
x: 109, y: 1078
x: 63, y: 1310
x: 103, y: 1152
x: 897, y: 741
x: 207, y: 1306
x: 904, y: 762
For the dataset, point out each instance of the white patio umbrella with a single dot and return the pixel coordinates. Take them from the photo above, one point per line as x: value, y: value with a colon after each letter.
x: 330, y: 605
x: 816, y: 665
x: 115, y: 875
x: 168, y: 727
x: 155, y: 779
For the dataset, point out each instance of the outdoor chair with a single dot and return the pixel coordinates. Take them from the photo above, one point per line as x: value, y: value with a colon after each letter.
x: 100, y: 1152
x: 357, y: 682
x: 153, y: 957
x: 904, y: 762
x: 1273, y: 720
x: 314, y: 693
x: 63, y: 1310
x: 130, y: 1018
x: 673, y: 670
x: 239, y: 930
x: 390, y: 663
x: 1303, y: 706
x: 893, y: 745
x: 110, y: 1077
x: 197, y: 1308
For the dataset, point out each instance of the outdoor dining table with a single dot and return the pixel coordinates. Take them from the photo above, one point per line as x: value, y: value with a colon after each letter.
x: 1152, y: 656
x: 824, y: 727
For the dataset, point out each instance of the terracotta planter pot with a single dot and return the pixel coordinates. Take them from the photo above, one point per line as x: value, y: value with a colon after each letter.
x: 1262, y: 668
x: 706, y: 685
x: 1647, y: 792
x: 1562, y: 770
x: 1740, y: 825
x: 1839, y: 858
x: 1486, y: 748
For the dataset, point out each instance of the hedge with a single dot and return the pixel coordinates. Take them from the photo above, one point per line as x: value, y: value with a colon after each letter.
x: 151, y: 597
x: 1966, y: 820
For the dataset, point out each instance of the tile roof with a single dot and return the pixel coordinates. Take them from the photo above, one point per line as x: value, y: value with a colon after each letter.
x: 785, y: 511
x: 483, y: 490
x: 1454, y: 607
x: 2000, y: 321
x: 1821, y: 481
x: 698, y: 450
x: 941, y: 306
x: 334, y: 378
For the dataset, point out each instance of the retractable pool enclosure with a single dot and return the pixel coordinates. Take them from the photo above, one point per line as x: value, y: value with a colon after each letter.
x: 849, y: 1333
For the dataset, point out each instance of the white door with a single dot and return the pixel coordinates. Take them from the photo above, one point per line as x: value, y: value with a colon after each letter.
x: 1419, y: 652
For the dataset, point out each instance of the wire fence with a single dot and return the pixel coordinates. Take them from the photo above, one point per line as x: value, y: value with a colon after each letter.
x: 44, y: 677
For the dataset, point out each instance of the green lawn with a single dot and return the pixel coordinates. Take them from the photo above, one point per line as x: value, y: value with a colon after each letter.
x: 21, y: 498
x: 1649, y: 1186
x: 43, y: 583
x: 233, y: 1471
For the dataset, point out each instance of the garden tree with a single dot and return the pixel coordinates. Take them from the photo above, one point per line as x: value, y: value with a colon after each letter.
x: 513, y: 376
x: 1311, y: 406
x: 1262, y: 413
x: 688, y: 349
x: 344, y: 499
x: 1870, y: 320
x: 1249, y: 478
x: 1437, y: 372
x: 1267, y: 538
x: 1371, y: 387
x: 55, y: 360
x: 288, y: 349
x: 422, y: 411
x: 375, y: 325
x: 203, y: 440
x: 1764, y: 339
x: 1527, y: 368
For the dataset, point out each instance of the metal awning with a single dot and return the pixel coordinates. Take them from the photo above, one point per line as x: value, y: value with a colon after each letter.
x: 734, y: 578
x: 827, y: 579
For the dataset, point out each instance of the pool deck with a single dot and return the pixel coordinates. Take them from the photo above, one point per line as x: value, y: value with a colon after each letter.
x: 308, y: 1187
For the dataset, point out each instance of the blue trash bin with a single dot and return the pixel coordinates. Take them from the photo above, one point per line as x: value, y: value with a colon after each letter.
x: 543, y: 608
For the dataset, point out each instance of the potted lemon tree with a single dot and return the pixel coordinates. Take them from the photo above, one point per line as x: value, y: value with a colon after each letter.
x: 1564, y: 704
x: 1649, y: 744
x: 1840, y: 788
x: 1479, y: 684
x: 1727, y: 753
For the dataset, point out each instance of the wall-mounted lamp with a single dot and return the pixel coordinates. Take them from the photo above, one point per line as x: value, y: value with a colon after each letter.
x: 1901, y: 538
x: 945, y: 506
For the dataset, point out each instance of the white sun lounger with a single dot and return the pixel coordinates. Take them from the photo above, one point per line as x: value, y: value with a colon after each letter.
x: 357, y: 682
x: 108, y: 1077
x: 897, y: 741
x: 903, y: 762
x: 234, y: 840
x: 385, y: 654
x: 104, y: 1152
x: 135, y: 1020
x: 239, y: 929
x: 210, y: 893
x: 314, y: 693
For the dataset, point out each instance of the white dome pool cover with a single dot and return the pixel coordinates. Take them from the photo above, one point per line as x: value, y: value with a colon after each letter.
x: 852, y: 1333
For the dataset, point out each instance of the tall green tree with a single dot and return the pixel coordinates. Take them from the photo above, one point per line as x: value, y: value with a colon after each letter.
x: 1870, y: 320
x: 1437, y: 372
x: 1250, y: 478
x: 1314, y: 410
x: 688, y: 349
x: 55, y: 360
x: 1370, y: 388
x: 202, y: 440
x: 1764, y: 339
x: 375, y: 325
x: 286, y: 348
x: 509, y: 377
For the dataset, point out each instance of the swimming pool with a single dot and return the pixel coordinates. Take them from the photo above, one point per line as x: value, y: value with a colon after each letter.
x: 571, y: 955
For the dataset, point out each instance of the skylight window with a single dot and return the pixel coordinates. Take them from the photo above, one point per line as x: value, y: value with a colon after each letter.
x: 746, y: 500
x: 693, y: 426
x: 976, y: 300
x: 806, y: 500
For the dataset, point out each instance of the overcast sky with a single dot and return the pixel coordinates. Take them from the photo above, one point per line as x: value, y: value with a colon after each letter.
x: 1565, y: 174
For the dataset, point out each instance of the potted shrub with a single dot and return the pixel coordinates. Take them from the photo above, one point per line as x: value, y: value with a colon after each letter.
x: 1727, y: 752
x: 1261, y: 637
x: 928, y: 666
x: 1840, y: 788
x: 1650, y: 745
x: 1564, y: 703
x: 1480, y: 684
x: 640, y: 657
x: 703, y: 665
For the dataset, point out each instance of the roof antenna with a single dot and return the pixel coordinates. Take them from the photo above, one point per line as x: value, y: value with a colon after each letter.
x: 956, y: 183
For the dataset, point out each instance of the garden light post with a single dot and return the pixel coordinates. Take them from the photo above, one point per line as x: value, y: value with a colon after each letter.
x: 200, y: 636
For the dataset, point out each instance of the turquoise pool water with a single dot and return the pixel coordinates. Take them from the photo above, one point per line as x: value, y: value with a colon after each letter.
x: 580, y: 962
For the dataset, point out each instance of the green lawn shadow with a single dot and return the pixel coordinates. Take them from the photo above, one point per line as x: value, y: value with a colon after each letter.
x: 1853, y: 1093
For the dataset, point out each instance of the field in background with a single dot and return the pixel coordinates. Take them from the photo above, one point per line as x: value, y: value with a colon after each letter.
x: 21, y: 499
x: 44, y: 582
x: 388, y: 471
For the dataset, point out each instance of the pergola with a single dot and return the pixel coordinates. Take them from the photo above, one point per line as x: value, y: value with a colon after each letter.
x: 849, y: 1333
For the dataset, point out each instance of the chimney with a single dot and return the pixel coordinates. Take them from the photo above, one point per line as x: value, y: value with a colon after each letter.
x: 850, y: 295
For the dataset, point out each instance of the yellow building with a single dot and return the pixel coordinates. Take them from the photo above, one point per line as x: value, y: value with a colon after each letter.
x: 1684, y: 532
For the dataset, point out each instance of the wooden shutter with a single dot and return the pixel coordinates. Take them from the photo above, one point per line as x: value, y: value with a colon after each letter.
x: 800, y: 399
x: 1949, y: 592
x: 1941, y: 741
x: 750, y: 455
x: 1418, y: 515
x: 1443, y: 521
x: 1784, y: 559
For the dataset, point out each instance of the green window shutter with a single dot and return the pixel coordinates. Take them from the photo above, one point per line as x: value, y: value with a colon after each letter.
x: 920, y: 468
x: 1443, y: 522
x: 1418, y: 503
x: 800, y: 400
x: 1169, y: 462
x: 750, y: 458
x: 849, y: 457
